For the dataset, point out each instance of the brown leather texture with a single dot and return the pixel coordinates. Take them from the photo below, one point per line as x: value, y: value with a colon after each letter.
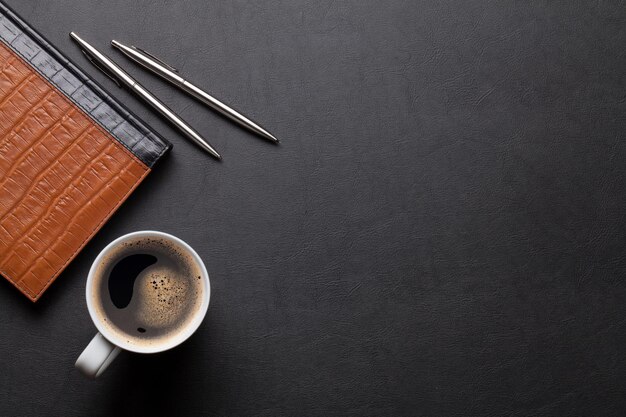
x: 61, y: 177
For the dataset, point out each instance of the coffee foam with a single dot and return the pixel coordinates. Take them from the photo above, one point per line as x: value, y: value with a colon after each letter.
x: 166, y: 295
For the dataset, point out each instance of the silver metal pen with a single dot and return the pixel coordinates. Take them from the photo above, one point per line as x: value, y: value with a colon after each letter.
x: 121, y: 77
x: 170, y: 73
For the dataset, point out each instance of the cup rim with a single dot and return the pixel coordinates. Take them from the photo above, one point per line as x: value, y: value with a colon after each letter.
x: 171, y: 343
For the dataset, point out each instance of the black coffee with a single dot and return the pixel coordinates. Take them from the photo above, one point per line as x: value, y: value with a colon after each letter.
x: 147, y: 290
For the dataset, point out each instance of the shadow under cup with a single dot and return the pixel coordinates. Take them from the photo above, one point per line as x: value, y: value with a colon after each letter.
x: 147, y: 292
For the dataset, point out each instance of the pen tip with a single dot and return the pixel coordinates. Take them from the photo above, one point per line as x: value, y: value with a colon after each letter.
x: 214, y: 153
x: 272, y: 138
x: 209, y: 149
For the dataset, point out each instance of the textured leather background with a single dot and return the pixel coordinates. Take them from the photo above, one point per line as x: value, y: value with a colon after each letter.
x: 441, y: 232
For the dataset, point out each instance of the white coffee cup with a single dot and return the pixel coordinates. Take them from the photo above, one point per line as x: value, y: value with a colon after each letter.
x: 106, y: 345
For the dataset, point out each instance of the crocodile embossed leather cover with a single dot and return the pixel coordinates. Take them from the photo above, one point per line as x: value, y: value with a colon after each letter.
x: 69, y: 156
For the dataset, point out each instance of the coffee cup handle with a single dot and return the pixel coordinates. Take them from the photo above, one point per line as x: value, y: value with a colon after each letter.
x: 97, y: 356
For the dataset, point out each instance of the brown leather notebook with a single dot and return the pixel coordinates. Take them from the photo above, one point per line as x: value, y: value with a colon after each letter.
x: 70, y: 154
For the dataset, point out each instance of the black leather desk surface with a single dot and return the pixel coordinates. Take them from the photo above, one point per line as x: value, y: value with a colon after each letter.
x: 440, y: 233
